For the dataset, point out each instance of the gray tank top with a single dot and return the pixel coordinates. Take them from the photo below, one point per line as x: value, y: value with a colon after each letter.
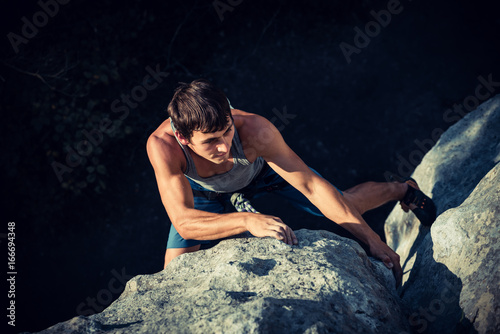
x: 238, y: 177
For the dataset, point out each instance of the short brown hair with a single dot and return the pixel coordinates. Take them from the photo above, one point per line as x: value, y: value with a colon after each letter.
x: 199, y: 106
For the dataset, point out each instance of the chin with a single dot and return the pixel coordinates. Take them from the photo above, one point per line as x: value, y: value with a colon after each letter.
x: 220, y: 160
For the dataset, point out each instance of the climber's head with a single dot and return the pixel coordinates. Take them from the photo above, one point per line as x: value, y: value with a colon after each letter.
x: 202, y: 119
x: 199, y: 106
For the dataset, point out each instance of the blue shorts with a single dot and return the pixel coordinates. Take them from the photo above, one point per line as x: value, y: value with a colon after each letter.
x: 262, y: 185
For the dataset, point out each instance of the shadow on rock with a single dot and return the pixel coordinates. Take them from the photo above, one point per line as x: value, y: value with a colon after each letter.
x: 299, y: 316
x: 431, y: 296
x: 259, y: 267
x: 408, y: 263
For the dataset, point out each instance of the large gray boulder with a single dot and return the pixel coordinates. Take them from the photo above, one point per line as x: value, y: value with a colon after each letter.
x: 448, y: 173
x: 451, y: 281
x: 454, y: 286
x: 327, y: 284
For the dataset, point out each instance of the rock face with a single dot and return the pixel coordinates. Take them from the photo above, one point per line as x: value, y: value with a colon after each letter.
x: 454, y: 285
x: 448, y: 173
x: 451, y: 282
x: 251, y: 285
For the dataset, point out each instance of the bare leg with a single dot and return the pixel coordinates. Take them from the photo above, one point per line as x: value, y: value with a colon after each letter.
x: 370, y: 195
x: 172, y: 253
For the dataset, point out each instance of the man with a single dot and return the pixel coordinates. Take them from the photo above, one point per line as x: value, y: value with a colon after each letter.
x: 206, y: 152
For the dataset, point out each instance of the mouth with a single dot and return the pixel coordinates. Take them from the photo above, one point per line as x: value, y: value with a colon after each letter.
x: 221, y: 155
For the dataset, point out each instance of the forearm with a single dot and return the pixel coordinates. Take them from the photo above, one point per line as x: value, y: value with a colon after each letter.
x: 355, y: 224
x: 338, y: 209
x: 202, y: 225
x: 360, y: 229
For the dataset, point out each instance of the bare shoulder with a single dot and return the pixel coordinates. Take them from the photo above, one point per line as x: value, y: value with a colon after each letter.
x: 258, y: 135
x: 163, y: 149
x: 249, y: 125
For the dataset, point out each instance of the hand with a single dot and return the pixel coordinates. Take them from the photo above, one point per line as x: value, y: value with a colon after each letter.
x: 390, y: 258
x: 268, y: 226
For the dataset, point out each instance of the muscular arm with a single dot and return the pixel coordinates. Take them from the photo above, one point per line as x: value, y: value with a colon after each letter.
x: 321, y: 193
x: 190, y: 223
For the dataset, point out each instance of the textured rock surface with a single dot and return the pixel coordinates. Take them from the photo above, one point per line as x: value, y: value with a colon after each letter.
x: 251, y: 285
x: 454, y: 286
x: 448, y: 173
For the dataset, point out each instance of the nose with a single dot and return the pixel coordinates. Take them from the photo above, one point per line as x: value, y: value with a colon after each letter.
x: 223, y: 147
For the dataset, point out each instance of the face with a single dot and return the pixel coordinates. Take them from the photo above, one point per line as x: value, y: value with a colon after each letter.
x: 213, y: 146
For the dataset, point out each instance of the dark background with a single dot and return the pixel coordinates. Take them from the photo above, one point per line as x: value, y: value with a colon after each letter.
x: 353, y: 121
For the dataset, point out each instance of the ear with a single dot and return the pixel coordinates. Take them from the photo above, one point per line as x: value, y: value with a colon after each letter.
x: 184, y: 141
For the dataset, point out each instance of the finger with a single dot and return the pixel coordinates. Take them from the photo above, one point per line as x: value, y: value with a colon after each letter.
x: 278, y: 220
x: 279, y: 233
x: 396, y: 269
x: 387, y: 261
x: 291, y: 236
x: 281, y: 229
x: 294, y: 238
x: 398, y: 272
x: 279, y: 236
x: 289, y: 232
x: 285, y: 231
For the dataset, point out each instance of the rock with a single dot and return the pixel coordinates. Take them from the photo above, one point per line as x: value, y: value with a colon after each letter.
x: 252, y: 285
x: 448, y: 173
x: 454, y: 284
x: 451, y: 282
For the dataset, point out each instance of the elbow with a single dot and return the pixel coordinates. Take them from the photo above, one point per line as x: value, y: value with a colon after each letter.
x: 186, y: 224
x: 182, y: 233
x: 182, y: 229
